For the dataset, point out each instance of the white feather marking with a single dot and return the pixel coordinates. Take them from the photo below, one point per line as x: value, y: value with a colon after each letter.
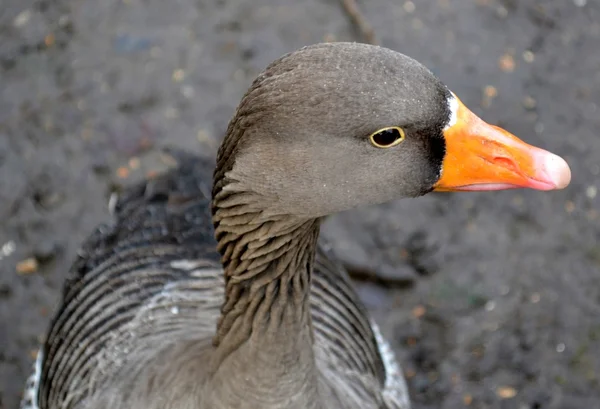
x: 112, y: 203
x: 395, y: 389
x: 453, y: 106
x: 189, y: 265
x: 30, y: 394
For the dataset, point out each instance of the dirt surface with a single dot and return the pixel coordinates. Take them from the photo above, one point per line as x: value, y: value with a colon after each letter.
x: 503, y: 310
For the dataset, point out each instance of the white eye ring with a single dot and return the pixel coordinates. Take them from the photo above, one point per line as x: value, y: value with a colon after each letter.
x: 387, y: 137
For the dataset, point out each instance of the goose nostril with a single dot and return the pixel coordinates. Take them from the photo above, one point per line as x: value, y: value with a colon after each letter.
x: 506, y: 163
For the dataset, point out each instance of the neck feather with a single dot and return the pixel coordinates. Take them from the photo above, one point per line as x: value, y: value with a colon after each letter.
x: 267, y: 261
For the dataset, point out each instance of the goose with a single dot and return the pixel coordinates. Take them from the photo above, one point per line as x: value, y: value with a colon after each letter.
x: 198, y: 296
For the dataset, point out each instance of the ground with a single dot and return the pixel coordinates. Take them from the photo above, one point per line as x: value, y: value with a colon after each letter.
x: 504, y: 303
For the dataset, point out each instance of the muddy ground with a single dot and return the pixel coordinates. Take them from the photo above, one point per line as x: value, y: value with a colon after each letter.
x: 504, y: 306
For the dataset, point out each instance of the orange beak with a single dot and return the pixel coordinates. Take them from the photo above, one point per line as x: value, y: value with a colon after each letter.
x: 480, y: 156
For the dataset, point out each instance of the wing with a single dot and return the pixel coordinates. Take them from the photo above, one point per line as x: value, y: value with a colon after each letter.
x: 350, y: 350
x: 151, y: 277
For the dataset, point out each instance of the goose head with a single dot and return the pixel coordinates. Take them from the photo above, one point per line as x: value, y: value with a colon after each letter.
x: 334, y: 126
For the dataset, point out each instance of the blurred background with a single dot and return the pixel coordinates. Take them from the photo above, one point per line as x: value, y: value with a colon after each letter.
x: 498, y: 305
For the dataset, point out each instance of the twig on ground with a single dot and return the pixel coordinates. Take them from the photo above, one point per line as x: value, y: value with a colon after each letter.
x: 359, y: 20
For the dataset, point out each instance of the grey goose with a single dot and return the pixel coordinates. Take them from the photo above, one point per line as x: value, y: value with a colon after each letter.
x: 156, y: 313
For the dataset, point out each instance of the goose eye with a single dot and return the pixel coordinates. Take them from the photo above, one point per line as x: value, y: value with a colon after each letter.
x: 387, y: 137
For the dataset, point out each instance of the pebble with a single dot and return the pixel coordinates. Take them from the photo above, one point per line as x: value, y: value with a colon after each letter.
x: 22, y: 18
x: 506, y: 392
x: 418, y: 311
x: 490, y: 306
x: 203, y: 136
x: 529, y: 102
x: 178, y: 75
x: 188, y: 91
x: 27, y: 266
x: 490, y: 91
x: 122, y: 172
x: 467, y: 399
x: 49, y: 40
x: 134, y: 163
x: 502, y: 12
x: 535, y: 298
x: 528, y: 56
x: 591, y: 192
x: 560, y: 348
x: 7, y: 249
x: 507, y: 63
x: 569, y: 206
x: 409, y: 7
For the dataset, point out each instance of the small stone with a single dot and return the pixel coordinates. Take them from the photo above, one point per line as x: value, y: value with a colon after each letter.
x: 22, y: 18
x: 569, y: 206
x: 529, y: 102
x: 178, y: 75
x: 506, y: 392
x: 122, y: 172
x: 418, y: 311
x: 134, y: 163
x: 49, y: 40
x: 591, y: 192
x: 7, y: 249
x: 409, y: 7
x: 507, y: 63
x: 490, y: 91
x: 63, y: 20
x: 203, y: 136
x: 27, y: 266
x: 188, y: 91
x: 535, y: 298
x: 502, y: 12
x: 467, y: 399
x: 560, y: 348
x: 490, y: 306
x: 528, y: 56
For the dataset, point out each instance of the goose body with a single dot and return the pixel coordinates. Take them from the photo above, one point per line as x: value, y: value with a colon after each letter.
x: 150, y: 285
x: 156, y: 313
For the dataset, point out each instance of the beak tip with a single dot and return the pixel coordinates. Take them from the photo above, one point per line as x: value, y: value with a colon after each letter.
x: 558, y: 171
